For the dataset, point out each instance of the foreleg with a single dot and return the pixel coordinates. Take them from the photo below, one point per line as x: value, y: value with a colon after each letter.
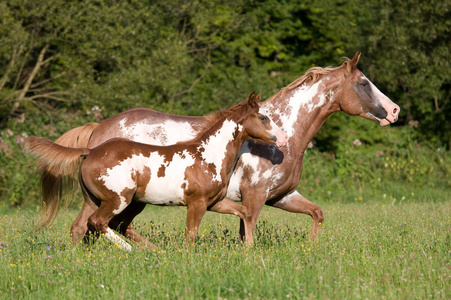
x: 194, y: 214
x: 253, y: 200
x: 230, y: 207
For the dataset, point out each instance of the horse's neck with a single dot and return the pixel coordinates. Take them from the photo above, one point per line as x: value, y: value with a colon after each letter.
x: 301, y: 112
x: 220, y: 145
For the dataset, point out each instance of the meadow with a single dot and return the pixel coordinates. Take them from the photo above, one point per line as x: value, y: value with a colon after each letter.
x: 384, y: 192
x: 378, y: 248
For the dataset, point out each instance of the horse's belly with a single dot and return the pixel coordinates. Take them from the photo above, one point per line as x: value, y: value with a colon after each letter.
x: 164, y: 191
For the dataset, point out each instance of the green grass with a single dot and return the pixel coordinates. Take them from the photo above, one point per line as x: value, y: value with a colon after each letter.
x: 368, y: 249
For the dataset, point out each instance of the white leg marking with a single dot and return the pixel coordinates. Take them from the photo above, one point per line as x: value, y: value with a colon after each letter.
x: 112, y: 236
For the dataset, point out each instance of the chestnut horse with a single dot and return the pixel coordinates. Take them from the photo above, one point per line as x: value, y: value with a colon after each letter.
x: 263, y: 174
x: 120, y: 173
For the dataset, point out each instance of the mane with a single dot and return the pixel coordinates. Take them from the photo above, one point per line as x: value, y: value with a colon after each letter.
x: 220, y: 116
x: 313, y: 74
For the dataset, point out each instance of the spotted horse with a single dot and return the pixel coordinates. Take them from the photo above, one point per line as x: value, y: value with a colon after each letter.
x: 263, y: 173
x: 121, y: 173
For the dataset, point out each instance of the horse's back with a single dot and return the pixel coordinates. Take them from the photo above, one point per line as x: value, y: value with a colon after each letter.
x: 147, y: 126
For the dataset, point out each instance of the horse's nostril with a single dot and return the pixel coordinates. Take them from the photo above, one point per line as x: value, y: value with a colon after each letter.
x: 395, y: 110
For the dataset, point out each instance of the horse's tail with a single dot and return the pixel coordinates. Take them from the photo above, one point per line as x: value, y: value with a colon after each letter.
x: 77, y: 137
x: 58, y: 164
x: 52, y: 183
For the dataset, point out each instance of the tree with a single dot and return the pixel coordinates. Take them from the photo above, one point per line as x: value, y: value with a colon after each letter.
x: 405, y: 47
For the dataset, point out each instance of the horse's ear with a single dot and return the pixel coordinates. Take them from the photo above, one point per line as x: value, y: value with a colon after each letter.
x: 257, y: 98
x: 252, y: 100
x: 354, y: 61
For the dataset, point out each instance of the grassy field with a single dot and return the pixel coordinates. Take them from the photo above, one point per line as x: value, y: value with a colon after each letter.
x: 375, y: 249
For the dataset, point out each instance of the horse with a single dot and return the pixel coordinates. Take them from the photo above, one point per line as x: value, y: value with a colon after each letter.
x: 121, y: 173
x: 263, y: 175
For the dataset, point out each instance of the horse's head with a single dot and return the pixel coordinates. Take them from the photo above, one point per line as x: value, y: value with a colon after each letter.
x: 361, y: 97
x: 260, y: 126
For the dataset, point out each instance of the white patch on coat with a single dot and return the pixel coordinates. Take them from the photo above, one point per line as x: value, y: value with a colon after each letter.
x: 267, y: 174
x: 119, y: 177
x: 288, y: 197
x: 166, y: 190
x: 247, y: 160
x: 302, y: 98
x: 178, y: 131
x: 258, y: 173
x: 166, y: 133
x: 162, y: 190
x: 253, y: 162
x: 275, y: 177
x: 233, y: 190
x: 214, y: 148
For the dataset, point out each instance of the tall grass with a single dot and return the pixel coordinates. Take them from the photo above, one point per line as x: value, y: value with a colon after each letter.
x: 375, y: 249
x: 385, y: 198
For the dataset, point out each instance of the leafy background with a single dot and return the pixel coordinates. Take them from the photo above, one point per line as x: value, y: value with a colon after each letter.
x: 66, y: 63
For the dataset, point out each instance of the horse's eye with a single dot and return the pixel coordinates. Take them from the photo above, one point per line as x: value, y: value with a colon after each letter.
x: 365, y: 83
x: 263, y: 118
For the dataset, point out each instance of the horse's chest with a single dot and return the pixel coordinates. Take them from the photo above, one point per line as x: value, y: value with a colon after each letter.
x: 252, y: 172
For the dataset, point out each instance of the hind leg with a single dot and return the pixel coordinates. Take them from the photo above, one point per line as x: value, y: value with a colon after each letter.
x: 295, y: 202
x: 99, y: 221
x: 122, y: 224
x: 79, y: 228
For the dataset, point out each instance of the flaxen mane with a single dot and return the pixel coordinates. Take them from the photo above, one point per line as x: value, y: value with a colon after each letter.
x: 312, y: 74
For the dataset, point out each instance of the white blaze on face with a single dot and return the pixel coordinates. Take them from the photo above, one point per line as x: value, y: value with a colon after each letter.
x: 165, y: 190
x: 384, y: 101
x: 166, y: 133
x: 214, y: 148
x: 379, y: 95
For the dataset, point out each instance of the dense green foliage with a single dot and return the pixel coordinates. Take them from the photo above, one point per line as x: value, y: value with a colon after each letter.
x: 374, y: 250
x: 192, y: 57
x: 66, y: 63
